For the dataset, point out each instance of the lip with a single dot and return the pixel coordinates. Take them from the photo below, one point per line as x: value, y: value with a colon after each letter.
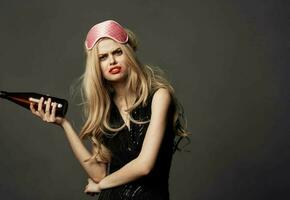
x: 115, y: 70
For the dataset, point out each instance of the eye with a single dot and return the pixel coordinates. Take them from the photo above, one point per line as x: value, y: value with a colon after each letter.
x: 119, y: 52
x: 102, y: 57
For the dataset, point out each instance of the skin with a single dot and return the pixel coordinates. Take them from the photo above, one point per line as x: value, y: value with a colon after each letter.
x: 110, y: 56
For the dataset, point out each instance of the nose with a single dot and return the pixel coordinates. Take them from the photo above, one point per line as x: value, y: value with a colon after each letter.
x: 112, y: 60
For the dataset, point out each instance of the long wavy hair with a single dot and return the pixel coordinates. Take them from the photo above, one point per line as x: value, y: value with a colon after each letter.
x: 96, y: 94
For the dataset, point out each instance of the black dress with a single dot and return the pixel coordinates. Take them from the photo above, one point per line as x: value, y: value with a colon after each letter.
x: 126, y: 146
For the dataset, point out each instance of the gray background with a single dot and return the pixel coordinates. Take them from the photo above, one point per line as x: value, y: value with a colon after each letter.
x: 228, y: 61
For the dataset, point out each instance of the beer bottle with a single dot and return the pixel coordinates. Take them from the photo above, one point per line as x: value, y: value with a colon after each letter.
x: 25, y: 98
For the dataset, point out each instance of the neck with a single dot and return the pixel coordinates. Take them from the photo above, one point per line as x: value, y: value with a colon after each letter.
x: 121, y: 95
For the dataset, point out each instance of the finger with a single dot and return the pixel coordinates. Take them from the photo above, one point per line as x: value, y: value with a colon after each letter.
x: 33, y: 109
x: 53, y: 111
x: 40, y: 106
x: 34, y: 100
x: 47, y: 107
x: 90, y: 180
x: 87, y: 190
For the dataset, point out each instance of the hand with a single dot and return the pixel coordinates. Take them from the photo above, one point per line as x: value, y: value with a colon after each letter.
x: 92, y: 188
x: 49, y: 114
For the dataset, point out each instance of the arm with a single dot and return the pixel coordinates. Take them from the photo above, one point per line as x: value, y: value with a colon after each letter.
x: 94, y: 169
x: 144, y: 163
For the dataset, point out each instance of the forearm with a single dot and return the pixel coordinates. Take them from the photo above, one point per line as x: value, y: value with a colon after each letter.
x: 95, y: 170
x: 130, y: 172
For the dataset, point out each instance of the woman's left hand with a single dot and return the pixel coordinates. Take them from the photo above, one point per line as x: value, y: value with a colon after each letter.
x: 92, y: 188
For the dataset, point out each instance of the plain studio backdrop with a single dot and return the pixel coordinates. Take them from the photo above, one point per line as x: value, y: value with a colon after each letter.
x: 228, y: 61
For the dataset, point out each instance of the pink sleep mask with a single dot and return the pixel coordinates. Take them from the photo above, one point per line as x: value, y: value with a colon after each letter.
x: 109, y: 29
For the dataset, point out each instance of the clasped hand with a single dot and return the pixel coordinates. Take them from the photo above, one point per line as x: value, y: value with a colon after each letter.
x: 92, y: 188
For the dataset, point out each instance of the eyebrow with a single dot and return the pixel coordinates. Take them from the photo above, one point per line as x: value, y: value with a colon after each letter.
x: 114, y: 51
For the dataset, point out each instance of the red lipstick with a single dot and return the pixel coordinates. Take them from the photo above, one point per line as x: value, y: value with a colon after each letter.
x: 115, y: 70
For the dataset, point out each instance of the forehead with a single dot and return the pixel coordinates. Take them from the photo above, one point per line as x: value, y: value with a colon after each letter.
x: 107, y: 45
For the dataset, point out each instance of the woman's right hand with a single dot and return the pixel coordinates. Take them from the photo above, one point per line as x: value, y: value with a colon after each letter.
x: 49, y: 114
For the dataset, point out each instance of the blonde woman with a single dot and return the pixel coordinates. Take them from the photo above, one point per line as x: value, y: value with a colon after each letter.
x: 132, y: 118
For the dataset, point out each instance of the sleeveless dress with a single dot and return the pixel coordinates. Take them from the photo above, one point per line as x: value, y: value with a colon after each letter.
x: 126, y: 146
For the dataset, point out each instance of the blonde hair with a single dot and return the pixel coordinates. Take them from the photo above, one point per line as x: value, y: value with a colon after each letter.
x: 96, y: 93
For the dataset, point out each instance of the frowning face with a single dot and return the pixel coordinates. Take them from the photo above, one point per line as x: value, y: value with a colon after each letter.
x: 113, y: 61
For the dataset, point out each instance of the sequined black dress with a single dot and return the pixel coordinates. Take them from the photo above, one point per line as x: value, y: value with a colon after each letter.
x: 126, y: 146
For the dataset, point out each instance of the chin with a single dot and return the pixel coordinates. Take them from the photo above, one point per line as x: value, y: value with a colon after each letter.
x: 117, y: 77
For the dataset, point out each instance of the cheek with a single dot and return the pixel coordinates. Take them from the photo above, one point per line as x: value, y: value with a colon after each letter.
x: 124, y: 63
x: 103, y: 68
x: 122, y: 59
x: 103, y: 72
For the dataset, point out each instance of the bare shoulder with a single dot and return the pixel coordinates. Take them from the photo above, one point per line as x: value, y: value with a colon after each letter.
x: 161, y: 97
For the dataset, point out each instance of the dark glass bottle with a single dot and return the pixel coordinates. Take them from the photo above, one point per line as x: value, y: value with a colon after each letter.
x: 25, y: 98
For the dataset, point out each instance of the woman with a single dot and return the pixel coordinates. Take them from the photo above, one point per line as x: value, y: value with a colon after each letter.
x: 132, y: 119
